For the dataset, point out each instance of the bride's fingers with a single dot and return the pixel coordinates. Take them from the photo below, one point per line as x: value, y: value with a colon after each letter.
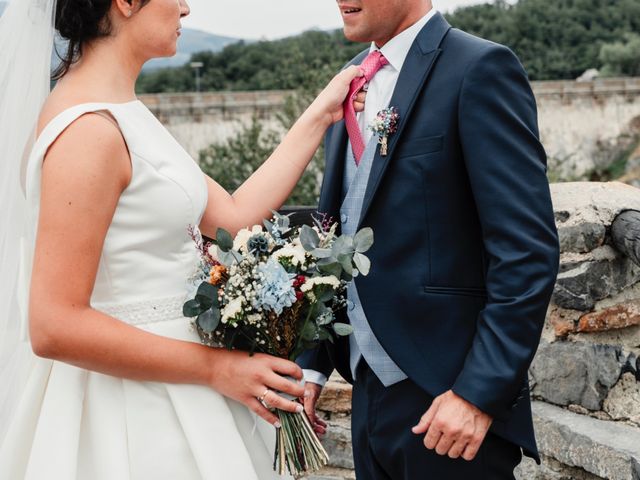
x: 358, y: 107
x: 260, y: 410
x: 273, y: 400
x: 361, y: 97
x: 281, y: 384
x: 285, y: 367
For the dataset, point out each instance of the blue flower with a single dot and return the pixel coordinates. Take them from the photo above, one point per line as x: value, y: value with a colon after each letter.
x: 276, y: 289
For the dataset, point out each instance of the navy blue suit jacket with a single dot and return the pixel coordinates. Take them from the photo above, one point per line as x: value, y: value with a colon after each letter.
x: 466, y: 250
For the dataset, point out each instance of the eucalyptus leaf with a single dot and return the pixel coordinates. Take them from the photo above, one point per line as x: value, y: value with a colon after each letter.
x: 321, y: 253
x: 346, y: 261
x: 209, y: 320
x: 363, y: 240
x: 331, y: 269
x: 324, y: 334
x: 192, y: 308
x: 362, y: 263
x: 324, y: 293
x: 342, y: 329
x: 308, y: 332
x: 229, y: 258
x: 224, y: 239
x: 207, y: 295
x: 309, y: 238
x: 342, y: 246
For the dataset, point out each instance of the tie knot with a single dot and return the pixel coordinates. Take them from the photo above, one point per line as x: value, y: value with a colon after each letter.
x: 374, y: 62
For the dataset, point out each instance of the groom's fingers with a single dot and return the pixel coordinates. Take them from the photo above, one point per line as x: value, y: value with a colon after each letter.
x: 425, y: 421
x: 358, y: 103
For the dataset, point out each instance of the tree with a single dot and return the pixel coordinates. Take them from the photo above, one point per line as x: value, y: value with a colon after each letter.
x: 621, y: 58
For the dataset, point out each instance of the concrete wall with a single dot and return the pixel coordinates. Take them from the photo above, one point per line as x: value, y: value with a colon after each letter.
x: 584, y: 125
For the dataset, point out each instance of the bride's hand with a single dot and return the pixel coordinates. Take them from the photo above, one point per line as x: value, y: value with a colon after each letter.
x: 247, y: 379
x: 329, y: 104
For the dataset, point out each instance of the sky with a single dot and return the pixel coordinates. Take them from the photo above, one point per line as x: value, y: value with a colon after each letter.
x: 257, y: 19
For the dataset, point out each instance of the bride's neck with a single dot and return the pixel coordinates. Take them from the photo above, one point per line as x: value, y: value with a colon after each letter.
x: 107, y: 70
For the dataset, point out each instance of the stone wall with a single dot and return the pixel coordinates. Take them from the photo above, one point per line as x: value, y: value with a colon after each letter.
x: 585, y: 378
x: 585, y: 126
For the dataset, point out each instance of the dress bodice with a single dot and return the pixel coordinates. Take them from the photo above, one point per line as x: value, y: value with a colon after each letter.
x: 148, y: 253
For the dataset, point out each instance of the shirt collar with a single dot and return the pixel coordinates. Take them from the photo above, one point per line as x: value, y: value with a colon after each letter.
x: 396, y: 49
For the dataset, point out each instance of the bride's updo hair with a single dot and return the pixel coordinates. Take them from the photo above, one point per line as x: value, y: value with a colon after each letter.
x: 79, y: 22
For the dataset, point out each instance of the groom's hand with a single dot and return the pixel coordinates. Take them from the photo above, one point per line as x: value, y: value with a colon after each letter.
x: 311, y: 394
x: 453, y: 427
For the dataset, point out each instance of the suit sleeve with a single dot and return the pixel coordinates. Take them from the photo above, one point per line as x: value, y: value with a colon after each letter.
x: 316, y: 364
x: 506, y: 165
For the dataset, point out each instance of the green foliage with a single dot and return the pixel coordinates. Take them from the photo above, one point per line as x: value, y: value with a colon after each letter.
x: 308, y: 60
x: 554, y: 39
x: 621, y: 58
x: 232, y: 161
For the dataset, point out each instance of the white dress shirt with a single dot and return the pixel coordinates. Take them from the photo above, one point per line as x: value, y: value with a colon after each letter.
x: 379, y: 93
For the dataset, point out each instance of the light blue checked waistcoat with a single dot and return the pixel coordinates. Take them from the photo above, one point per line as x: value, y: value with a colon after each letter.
x: 363, y: 342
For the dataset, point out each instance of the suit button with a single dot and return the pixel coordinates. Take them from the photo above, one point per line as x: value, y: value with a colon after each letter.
x: 344, y: 218
x: 350, y: 305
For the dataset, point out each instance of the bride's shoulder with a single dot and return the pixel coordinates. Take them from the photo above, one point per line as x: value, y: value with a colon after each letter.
x: 86, y: 133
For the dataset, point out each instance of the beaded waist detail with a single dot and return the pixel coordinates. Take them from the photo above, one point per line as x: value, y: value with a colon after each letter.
x: 145, y: 311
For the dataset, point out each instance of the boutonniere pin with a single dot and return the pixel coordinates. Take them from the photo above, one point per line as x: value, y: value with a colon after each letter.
x: 385, y: 124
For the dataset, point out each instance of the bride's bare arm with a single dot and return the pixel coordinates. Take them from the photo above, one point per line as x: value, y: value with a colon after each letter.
x: 84, y: 174
x: 270, y: 185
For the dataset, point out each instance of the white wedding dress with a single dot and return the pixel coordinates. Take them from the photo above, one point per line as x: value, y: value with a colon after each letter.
x: 77, y: 424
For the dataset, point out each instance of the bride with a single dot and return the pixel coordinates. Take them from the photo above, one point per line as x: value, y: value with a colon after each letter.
x: 119, y: 387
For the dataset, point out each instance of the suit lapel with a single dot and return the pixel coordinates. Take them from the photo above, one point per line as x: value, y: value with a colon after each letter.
x: 331, y: 192
x: 336, y: 146
x: 415, y: 71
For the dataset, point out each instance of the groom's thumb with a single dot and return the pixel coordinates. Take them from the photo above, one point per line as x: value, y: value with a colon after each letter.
x: 425, y: 422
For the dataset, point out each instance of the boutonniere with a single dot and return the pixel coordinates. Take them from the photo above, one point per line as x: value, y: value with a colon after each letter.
x: 385, y: 124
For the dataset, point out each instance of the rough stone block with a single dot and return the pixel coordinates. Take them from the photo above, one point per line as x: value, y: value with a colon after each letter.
x: 623, y: 401
x: 335, y: 398
x: 607, y: 449
x: 602, y: 274
x: 337, y: 442
x: 618, y: 316
x: 567, y: 373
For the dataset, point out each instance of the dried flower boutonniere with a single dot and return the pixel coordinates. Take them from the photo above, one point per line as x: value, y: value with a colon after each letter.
x: 385, y: 124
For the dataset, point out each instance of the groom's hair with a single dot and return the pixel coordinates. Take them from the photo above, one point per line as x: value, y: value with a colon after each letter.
x: 79, y: 22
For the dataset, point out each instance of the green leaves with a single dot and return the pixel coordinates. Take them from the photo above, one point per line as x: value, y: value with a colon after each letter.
x: 363, y: 240
x: 224, y: 240
x: 309, y: 238
x: 342, y: 329
x: 363, y: 264
x: 208, y: 321
x: 205, y: 306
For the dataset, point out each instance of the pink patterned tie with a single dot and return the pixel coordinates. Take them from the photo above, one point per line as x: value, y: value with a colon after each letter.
x: 374, y: 62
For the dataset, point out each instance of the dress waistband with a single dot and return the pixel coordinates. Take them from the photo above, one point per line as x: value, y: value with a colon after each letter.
x: 145, y: 311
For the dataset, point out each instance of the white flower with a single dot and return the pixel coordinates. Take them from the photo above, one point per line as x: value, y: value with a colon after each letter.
x: 295, y: 253
x: 312, y: 282
x: 213, y: 252
x: 243, y: 236
x: 232, y: 309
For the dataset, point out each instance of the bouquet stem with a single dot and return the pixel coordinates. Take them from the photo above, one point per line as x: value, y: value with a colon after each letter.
x: 298, y: 448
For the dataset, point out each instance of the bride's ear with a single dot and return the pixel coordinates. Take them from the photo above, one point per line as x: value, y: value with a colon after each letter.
x: 126, y: 8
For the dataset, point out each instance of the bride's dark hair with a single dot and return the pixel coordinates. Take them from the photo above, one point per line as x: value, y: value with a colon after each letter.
x: 78, y: 22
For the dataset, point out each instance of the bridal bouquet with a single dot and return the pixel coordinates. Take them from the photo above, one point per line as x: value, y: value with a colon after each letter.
x: 275, y: 289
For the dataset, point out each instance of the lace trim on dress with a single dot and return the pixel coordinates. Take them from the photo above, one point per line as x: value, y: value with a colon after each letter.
x: 146, y: 311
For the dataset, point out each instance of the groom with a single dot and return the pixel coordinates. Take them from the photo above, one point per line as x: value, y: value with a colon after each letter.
x: 465, y: 255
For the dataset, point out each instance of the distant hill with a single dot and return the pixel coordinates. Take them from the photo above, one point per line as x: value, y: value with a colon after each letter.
x: 190, y: 42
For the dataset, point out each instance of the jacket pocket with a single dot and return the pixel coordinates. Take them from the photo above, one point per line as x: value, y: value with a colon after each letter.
x: 480, y: 292
x: 420, y: 146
